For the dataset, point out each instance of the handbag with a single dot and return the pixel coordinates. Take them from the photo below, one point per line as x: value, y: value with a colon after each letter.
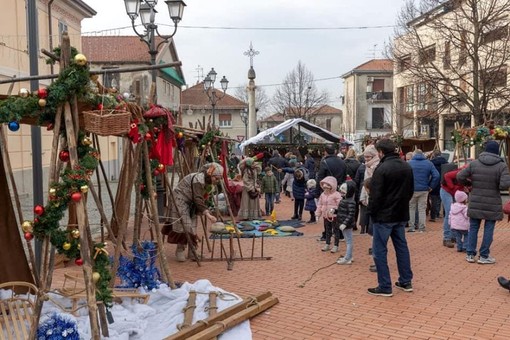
x: 506, y: 208
x: 253, y: 194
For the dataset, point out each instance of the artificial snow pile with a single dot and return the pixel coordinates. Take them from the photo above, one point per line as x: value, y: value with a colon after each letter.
x: 161, y: 316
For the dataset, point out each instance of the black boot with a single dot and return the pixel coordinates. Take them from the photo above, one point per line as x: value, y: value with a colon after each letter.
x: 503, y: 282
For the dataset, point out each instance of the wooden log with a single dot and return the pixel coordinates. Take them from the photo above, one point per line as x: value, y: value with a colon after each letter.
x: 213, y: 306
x: 220, y: 326
x: 232, y: 310
x: 154, y: 210
x: 85, y: 248
x: 189, y: 310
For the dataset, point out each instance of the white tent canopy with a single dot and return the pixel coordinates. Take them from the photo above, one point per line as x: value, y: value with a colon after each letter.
x: 269, y: 136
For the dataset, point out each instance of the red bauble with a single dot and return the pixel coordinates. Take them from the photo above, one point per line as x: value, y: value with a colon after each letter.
x: 156, y: 130
x: 29, y: 236
x: 64, y: 156
x: 148, y: 136
x: 76, y: 196
x: 42, y: 93
x: 155, y: 172
x: 49, y: 127
x: 78, y: 262
x: 36, y: 220
x: 142, y: 187
x: 99, y: 106
x: 39, y: 210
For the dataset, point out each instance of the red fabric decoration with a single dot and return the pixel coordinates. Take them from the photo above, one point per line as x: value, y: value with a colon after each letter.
x: 259, y: 156
x: 133, y: 133
x: 163, y: 150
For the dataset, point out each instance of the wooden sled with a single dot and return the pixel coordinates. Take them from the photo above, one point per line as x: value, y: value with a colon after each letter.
x: 17, y: 310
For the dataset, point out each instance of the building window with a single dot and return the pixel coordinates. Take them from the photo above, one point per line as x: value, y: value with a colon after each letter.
x: 225, y: 120
x: 428, y: 55
x: 493, y: 78
x: 496, y: 34
x: 62, y: 27
x: 421, y: 96
x: 377, y: 118
x: 328, y: 124
x: 409, y: 98
x: 447, y: 57
x: 404, y: 63
x: 111, y: 79
x: 463, y: 48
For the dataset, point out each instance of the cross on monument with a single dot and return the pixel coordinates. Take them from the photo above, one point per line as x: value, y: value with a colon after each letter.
x: 251, y: 53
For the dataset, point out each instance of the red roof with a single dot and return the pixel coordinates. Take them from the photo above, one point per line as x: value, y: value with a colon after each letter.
x: 376, y: 65
x: 195, y: 97
x: 117, y: 49
x: 327, y: 110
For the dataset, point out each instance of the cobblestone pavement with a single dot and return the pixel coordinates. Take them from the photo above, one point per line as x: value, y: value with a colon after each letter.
x: 452, y: 299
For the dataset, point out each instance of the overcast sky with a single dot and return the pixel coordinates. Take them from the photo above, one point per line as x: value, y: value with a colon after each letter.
x: 215, y: 33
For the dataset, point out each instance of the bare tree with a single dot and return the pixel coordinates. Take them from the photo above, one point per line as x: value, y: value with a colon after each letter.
x: 298, y: 96
x: 456, y: 53
x: 262, y: 100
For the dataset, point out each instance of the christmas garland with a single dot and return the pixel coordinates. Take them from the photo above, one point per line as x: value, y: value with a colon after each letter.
x: 72, y: 81
x: 479, y: 135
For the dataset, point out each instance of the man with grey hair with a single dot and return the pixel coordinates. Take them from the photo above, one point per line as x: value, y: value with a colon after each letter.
x: 426, y: 178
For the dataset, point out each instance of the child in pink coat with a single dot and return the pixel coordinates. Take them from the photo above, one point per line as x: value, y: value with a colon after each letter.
x: 459, y: 220
x: 327, y: 204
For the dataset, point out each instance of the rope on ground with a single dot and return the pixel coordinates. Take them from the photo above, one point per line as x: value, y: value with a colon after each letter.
x: 302, y: 285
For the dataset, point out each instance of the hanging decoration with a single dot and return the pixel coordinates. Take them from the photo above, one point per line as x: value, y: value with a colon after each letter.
x: 478, y: 135
x: 13, y: 126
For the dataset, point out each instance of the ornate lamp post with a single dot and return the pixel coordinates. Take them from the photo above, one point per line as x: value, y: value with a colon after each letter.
x: 244, y: 118
x: 210, y: 91
x: 146, y: 10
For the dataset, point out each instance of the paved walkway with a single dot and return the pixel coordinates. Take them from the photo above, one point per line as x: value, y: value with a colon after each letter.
x: 452, y: 299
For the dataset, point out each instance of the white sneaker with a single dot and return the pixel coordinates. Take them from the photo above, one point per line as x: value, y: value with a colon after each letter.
x: 343, y: 260
x: 334, y: 249
x: 326, y: 247
x: 179, y: 254
x: 486, y: 260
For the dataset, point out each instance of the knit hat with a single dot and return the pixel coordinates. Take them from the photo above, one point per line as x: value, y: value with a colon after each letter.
x: 370, y: 151
x: 213, y: 169
x: 460, y: 196
x: 492, y: 147
x: 249, y: 161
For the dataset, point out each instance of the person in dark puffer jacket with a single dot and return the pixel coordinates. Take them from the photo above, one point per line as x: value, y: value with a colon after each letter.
x: 345, y: 218
x: 298, y: 189
x: 487, y: 175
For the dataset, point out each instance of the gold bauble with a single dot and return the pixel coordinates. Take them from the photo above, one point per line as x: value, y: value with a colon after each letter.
x: 78, y: 246
x: 96, y: 276
x: 84, y: 188
x: 86, y: 141
x: 161, y: 167
x: 80, y: 59
x: 66, y: 246
x: 42, y: 102
x: 27, y: 227
x: 23, y: 93
x: 52, y: 192
x: 75, y: 233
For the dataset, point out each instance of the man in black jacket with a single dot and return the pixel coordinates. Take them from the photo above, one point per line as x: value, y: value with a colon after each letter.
x: 331, y: 165
x: 392, y: 188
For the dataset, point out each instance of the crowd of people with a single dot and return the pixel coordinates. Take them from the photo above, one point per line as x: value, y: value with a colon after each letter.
x: 379, y: 193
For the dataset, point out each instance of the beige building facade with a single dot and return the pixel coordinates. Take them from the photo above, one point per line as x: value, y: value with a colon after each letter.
x: 368, y: 100
x: 66, y: 15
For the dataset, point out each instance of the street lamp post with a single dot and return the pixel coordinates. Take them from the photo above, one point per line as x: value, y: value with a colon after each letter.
x: 210, y: 91
x: 146, y: 10
x: 244, y: 118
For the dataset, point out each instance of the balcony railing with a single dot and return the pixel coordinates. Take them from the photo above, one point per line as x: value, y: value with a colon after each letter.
x: 379, y: 96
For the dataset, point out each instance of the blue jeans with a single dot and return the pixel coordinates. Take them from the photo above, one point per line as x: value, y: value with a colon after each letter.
x: 488, y: 233
x: 447, y: 200
x: 269, y: 202
x: 461, y: 239
x: 348, y: 242
x: 382, y: 232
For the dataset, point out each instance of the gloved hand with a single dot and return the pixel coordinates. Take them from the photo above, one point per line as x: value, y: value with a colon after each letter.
x: 342, y: 227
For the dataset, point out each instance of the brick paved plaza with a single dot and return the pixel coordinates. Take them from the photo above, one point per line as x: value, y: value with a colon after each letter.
x: 452, y: 299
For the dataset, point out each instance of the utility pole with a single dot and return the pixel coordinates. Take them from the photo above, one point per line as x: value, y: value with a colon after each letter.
x: 37, y: 173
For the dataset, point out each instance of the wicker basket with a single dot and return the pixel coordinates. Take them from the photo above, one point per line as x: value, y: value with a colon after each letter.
x: 107, y: 122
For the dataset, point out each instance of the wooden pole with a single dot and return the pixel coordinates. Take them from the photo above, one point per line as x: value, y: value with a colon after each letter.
x: 219, y: 327
x: 189, y: 310
x: 85, y: 248
x: 232, y: 310
x: 154, y: 211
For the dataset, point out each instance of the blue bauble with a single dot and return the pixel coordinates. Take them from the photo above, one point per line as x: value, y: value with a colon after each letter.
x: 13, y: 126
